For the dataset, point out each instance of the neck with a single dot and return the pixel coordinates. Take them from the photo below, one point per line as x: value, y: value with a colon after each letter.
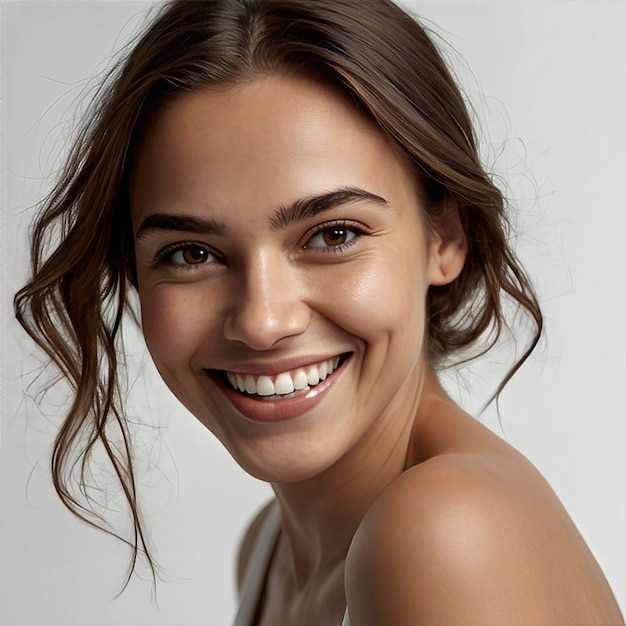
x: 320, y: 516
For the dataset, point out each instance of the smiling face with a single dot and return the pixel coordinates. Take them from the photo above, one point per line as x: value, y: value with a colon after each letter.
x: 282, y: 271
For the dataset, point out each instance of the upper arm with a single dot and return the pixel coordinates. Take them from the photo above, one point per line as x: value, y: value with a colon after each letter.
x: 456, y: 545
x: 248, y: 542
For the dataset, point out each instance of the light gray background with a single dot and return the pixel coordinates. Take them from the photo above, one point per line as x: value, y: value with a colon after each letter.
x: 548, y: 82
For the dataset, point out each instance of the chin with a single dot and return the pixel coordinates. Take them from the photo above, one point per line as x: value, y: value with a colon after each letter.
x: 285, y: 464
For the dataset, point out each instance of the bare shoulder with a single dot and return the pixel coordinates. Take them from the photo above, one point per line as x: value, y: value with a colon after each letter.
x: 249, y: 541
x: 473, y: 538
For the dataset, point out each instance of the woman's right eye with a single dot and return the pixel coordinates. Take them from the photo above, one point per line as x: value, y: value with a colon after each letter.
x: 186, y: 256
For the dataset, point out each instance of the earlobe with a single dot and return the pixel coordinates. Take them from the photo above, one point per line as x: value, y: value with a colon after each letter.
x: 447, y: 249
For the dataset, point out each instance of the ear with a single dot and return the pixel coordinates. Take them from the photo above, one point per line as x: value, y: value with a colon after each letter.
x: 447, y: 249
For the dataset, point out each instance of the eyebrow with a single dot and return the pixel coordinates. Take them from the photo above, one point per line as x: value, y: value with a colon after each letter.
x: 299, y: 210
x: 183, y: 223
x: 314, y: 205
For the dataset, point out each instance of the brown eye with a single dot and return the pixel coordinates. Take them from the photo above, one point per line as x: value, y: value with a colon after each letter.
x: 192, y: 255
x: 335, y: 236
x: 189, y: 255
x: 332, y: 237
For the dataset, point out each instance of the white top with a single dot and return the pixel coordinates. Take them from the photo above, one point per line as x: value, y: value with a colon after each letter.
x: 258, y: 568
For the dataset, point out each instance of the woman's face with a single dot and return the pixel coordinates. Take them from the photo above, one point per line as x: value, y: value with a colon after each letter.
x: 280, y: 250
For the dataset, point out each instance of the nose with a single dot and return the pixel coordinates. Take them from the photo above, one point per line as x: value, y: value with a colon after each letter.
x: 268, y: 306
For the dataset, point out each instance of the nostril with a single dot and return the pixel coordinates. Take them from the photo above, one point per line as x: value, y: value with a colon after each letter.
x: 260, y: 326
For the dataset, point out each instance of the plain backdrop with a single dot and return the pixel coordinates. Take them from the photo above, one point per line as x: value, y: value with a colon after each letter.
x: 547, y: 80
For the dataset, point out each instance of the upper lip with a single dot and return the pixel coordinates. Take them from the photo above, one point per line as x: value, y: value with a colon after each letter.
x: 271, y: 368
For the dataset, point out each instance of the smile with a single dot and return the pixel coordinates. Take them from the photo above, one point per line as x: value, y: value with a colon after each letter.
x: 284, y: 384
x: 283, y: 395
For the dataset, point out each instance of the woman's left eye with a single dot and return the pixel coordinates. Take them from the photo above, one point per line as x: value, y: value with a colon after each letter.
x: 332, y: 237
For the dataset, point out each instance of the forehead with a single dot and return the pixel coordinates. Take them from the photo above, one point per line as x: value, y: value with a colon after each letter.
x: 261, y: 144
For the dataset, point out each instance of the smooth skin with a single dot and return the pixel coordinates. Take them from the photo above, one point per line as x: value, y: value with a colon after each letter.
x: 392, y: 498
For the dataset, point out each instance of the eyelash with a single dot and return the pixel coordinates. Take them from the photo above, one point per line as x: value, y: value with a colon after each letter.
x: 351, y: 227
x: 164, y: 256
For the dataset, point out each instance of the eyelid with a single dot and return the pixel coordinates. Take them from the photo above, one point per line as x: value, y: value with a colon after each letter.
x: 357, y: 228
x: 163, y: 257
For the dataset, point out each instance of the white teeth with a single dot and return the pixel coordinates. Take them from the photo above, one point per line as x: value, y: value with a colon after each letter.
x: 265, y: 386
x: 240, y: 382
x: 232, y: 379
x: 313, y: 375
x: 285, y: 384
x: 324, y: 369
x: 300, y: 380
x: 250, y: 384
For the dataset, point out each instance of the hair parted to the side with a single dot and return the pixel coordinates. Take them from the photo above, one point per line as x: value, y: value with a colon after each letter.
x: 82, y: 250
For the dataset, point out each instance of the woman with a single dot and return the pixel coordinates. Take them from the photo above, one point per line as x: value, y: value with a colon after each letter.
x: 293, y: 191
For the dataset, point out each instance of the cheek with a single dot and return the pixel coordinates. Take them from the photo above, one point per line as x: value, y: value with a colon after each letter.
x: 173, y: 321
x: 385, y: 297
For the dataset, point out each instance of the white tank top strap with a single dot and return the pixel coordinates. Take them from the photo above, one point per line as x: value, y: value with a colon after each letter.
x: 258, y: 567
x: 346, y: 619
x: 256, y: 576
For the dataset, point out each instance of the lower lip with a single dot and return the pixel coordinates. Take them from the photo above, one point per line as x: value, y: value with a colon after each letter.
x: 260, y: 410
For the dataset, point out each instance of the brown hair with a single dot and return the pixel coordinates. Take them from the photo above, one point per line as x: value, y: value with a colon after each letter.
x: 82, y: 251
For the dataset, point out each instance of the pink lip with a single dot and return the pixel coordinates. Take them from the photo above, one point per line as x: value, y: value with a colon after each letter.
x: 260, y: 410
x: 278, y: 366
